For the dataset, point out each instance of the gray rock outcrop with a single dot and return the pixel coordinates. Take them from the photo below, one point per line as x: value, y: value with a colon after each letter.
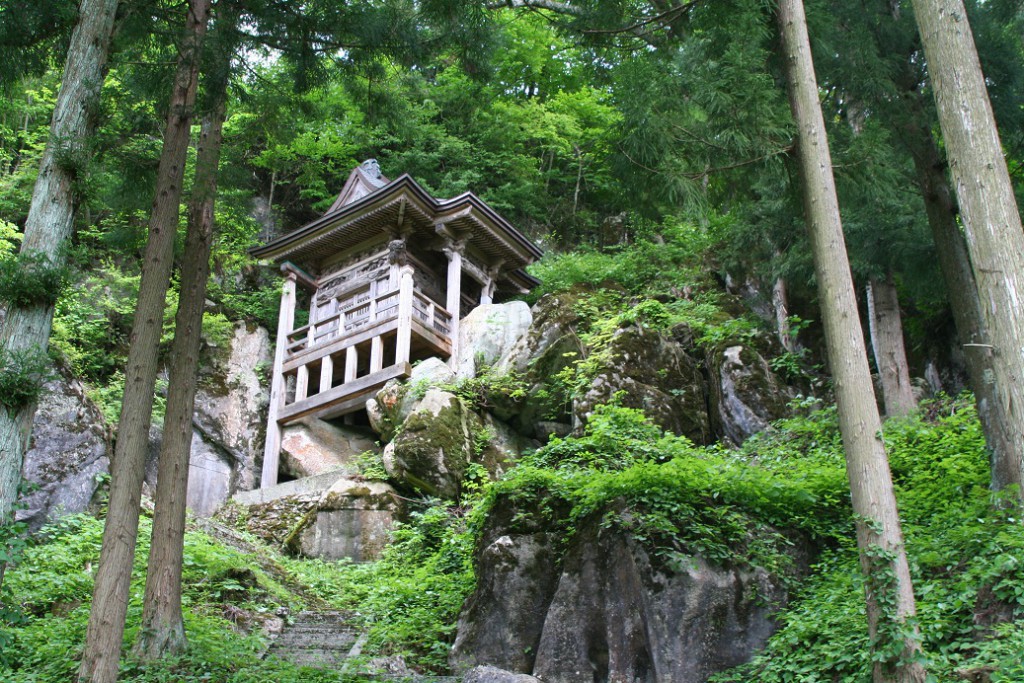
x: 653, y: 372
x: 231, y: 402
x: 311, y: 447
x: 603, y: 608
x: 70, y: 452
x: 435, y: 444
x: 747, y: 395
x: 350, y: 520
x: 490, y: 674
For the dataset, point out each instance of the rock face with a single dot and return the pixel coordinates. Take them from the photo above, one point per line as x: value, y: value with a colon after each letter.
x: 606, y: 611
x: 70, y: 451
x: 489, y: 674
x: 656, y: 374
x: 747, y: 396
x: 330, y: 516
x: 351, y: 520
x: 231, y: 403
x: 548, y: 347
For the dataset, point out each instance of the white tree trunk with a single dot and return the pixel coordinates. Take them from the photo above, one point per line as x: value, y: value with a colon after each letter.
x: 886, y: 326
x: 988, y: 209
x: 51, y: 215
x: 889, y: 594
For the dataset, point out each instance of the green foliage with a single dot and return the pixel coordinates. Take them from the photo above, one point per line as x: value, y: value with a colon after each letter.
x: 31, y: 279
x: 53, y: 587
x: 677, y: 499
x: 22, y: 375
x: 10, y: 238
x: 963, y: 543
x: 93, y: 320
x: 410, y: 599
x: 486, y: 386
x: 662, y: 260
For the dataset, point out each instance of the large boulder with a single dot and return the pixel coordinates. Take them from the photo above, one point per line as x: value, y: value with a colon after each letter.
x: 487, y: 334
x: 312, y: 446
x: 350, y: 520
x: 434, y: 445
x: 537, y: 357
x: 603, y: 607
x: 747, y: 395
x: 69, y: 454
x: 490, y: 674
x: 392, y: 405
x: 518, y: 558
x: 231, y: 402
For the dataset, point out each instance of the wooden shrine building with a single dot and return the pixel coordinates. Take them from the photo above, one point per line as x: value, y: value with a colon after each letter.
x: 389, y: 271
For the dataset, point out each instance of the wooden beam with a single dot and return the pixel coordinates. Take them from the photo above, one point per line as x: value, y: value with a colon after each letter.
x: 303, y: 278
x: 342, y: 394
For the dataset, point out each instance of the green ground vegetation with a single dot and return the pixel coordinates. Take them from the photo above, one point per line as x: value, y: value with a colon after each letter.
x: 729, y: 506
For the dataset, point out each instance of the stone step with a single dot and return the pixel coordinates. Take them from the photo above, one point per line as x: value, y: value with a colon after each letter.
x: 316, y: 639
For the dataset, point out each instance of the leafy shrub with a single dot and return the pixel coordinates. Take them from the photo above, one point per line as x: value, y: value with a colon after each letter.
x: 29, y: 279
x: 22, y: 375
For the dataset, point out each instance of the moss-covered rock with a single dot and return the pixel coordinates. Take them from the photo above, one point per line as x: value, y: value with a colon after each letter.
x: 651, y: 371
x: 434, y: 446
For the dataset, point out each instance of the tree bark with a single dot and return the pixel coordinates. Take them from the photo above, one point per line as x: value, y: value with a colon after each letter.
x: 780, y: 305
x: 51, y: 216
x: 1002, y: 432
x: 991, y: 222
x: 113, y: 576
x: 163, y: 627
x: 886, y: 326
x: 889, y: 593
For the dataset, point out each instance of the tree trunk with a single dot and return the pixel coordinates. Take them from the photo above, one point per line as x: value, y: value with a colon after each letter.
x: 51, y: 217
x: 886, y: 326
x: 113, y: 576
x: 163, y: 629
x: 889, y: 594
x: 780, y: 304
x: 991, y: 222
x: 1002, y: 438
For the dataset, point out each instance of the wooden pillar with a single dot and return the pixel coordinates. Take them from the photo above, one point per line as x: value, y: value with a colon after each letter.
x: 453, y: 292
x: 351, y: 363
x: 326, y: 373
x: 376, y: 354
x: 487, y: 292
x: 278, y: 388
x: 404, y: 342
x: 301, y: 383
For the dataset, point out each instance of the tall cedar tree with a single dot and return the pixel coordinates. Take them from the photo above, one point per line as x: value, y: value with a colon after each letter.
x: 889, y: 593
x: 911, y: 119
x: 163, y: 627
x: 26, y: 328
x: 991, y: 222
x: 113, y: 577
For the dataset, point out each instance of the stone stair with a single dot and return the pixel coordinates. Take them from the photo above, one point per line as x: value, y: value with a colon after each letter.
x: 322, y: 640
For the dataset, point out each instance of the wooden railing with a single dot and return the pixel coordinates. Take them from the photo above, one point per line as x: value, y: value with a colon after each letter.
x: 431, y: 314
x: 357, y: 310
